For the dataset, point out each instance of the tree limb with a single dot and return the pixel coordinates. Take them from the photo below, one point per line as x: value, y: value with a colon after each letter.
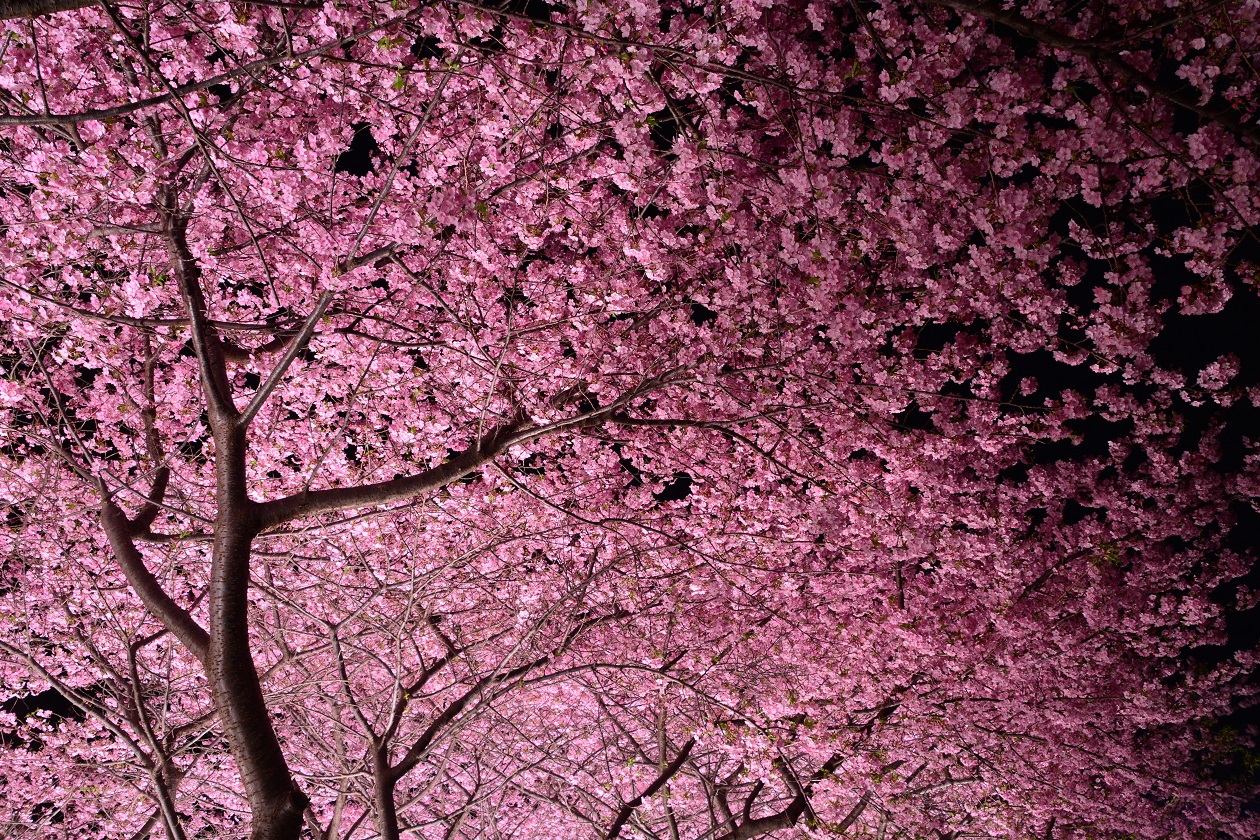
x: 417, y: 750
x: 311, y: 502
x: 296, y: 345
x: 174, y: 94
x: 118, y: 529
x: 205, y: 337
x: 13, y: 9
x: 668, y: 773
x: 1225, y: 117
x: 786, y: 818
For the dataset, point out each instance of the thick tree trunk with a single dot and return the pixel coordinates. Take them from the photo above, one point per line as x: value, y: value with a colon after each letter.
x: 274, y: 799
x: 383, y: 792
x: 10, y: 9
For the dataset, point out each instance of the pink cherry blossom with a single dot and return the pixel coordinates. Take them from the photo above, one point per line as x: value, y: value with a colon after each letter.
x: 596, y: 419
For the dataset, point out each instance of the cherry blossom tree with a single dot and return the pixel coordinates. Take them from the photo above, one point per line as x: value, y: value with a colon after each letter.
x: 568, y: 420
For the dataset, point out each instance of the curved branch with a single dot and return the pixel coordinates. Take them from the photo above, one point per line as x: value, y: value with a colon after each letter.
x: 492, y: 444
x: 749, y: 828
x: 119, y: 530
x: 145, y: 518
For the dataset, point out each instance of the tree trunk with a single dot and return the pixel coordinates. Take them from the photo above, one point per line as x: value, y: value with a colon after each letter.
x: 10, y: 9
x: 274, y: 799
x: 383, y: 793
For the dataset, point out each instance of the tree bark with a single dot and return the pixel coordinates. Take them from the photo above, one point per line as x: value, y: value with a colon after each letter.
x: 274, y: 798
x: 312, y: 502
x: 383, y: 783
x: 174, y: 617
x: 750, y: 827
x: 275, y: 801
x: 10, y: 9
x: 667, y: 773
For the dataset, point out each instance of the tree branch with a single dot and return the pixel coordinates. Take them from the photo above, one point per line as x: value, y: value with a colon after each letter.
x: 1225, y: 117
x: 311, y: 502
x: 296, y: 345
x: 145, y: 518
x: 492, y: 444
x: 101, y: 114
x: 119, y: 530
x: 13, y: 9
x: 421, y: 745
x: 205, y: 337
x: 853, y: 814
x: 749, y: 828
x: 234, y: 352
x: 668, y: 773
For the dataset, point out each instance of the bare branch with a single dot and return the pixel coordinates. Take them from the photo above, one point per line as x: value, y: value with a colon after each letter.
x: 296, y: 345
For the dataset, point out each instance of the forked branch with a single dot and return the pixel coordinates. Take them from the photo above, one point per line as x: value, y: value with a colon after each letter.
x: 750, y: 827
x: 668, y: 773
